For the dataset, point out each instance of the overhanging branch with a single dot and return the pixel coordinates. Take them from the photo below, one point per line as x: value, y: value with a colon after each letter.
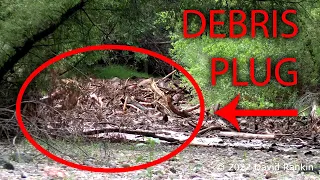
x: 28, y: 44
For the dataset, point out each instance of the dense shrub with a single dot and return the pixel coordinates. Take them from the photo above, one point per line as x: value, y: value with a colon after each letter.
x: 196, y: 55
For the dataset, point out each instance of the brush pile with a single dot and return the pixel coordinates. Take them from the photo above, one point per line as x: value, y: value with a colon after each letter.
x: 105, y: 108
x: 132, y: 109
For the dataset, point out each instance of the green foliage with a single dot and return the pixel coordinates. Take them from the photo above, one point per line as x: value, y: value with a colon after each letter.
x: 197, y: 59
x: 196, y: 55
x: 151, y: 144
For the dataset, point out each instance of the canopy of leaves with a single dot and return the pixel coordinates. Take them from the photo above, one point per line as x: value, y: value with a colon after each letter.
x: 33, y: 31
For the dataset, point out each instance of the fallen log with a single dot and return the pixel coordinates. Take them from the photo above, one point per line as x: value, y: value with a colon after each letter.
x: 127, y: 131
x: 247, y: 135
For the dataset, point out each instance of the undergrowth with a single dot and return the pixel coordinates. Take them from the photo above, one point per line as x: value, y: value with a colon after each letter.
x: 122, y: 72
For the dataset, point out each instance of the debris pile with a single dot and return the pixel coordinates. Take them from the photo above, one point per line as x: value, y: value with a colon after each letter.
x: 99, y: 107
x: 135, y: 108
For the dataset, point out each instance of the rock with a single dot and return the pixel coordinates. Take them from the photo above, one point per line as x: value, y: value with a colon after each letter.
x: 8, y: 166
x: 125, y: 165
x: 89, y: 162
x: 159, y: 177
x: 175, y: 158
x: 243, y: 122
x: 173, y: 170
x: 110, y: 165
x: 232, y: 153
x: 195, y: 176
x: 157, y: 172
x: 232, y: 169
x: 53, y: 172
x: 246, y: 175
x: 289, y: 151
x: 219, y: 176
x: 24, y: 174
x: 268, y: 175
x: 309, y: 153
x: 115, y: 79
x: 115, y: 82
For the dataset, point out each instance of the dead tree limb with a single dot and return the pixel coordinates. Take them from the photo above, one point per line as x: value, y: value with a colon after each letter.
x: 136, y: 132
x: 247, y: 135
x: 168, y: 75
x: 192, y: 108
x: 182, y: 113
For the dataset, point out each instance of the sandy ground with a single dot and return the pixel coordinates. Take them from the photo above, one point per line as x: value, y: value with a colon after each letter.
x: 192, y: 163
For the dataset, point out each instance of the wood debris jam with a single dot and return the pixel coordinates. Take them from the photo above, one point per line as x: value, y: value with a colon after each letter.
x: 131, y: 109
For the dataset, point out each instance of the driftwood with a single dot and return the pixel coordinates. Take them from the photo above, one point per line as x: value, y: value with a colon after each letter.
x: 211, y: 128
x: 127, y: 131
x: 178, y: 138
x: 247, y: 135
x: 131, y: 102
x: 161, y: 98
x: 313, y: 115
x: 182, y: 113
x: 192, y: 108
x: 168, y: 75
x: 125, y: 104
x: 145, y: 82
x: 168, y: 101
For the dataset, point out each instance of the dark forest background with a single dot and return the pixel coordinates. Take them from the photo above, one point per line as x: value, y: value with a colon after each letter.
x: 32, y: 32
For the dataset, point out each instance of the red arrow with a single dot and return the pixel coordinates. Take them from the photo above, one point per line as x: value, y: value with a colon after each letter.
x: 229, y: 112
